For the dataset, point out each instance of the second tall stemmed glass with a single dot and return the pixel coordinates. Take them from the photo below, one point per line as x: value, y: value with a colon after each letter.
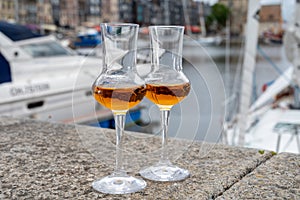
x: 166, y: 86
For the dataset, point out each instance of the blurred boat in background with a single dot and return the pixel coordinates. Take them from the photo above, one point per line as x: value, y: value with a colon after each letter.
x: 86, y: 42
x: 41, y: 79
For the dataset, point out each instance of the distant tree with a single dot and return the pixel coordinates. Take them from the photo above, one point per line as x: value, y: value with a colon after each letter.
x: 216, y: 21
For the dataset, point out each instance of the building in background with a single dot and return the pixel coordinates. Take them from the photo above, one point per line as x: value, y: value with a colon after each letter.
x: 165, y: 12
x: 69, y: 13
x: 194, y: 13
x: 93, y: 12
x: 176, y: 12
x: 44, y: 12
x: 110, y: 10
x: 156, y: 13
x: 55, y: 12
x: 83, y: 9
x: 7, y: 10
x: 238, y: 15
x: 75, y: 13
x: 270, y: 18
x: 89, y: 12
x: 144, y: 12
x: 127, y: 10
x: 27, y: 11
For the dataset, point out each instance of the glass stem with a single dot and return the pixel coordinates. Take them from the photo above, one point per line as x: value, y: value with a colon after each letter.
x: 165, y: 123
x: 119, y: 125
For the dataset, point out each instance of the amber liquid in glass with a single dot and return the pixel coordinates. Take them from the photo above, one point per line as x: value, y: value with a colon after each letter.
x: 165, y: 96
x: 119, y: 99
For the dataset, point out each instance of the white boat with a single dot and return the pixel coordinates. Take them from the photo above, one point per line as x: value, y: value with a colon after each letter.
x: 268, y: 124
x: 41, y: 79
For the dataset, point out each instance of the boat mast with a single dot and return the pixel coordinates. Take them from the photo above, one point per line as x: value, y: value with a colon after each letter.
x: 248, y: 68
x: 186, y: 18
x: 229, y: 91
x: 41, y: 20
x: 202, y: 20
x: 296, y: 60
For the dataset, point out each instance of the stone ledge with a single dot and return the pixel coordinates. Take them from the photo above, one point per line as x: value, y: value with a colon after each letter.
x: 277, y: 178
x: 41, y: 160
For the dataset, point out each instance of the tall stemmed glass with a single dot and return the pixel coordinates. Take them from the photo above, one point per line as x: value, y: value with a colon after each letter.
x: 119, y: 88
x: 166, y: 86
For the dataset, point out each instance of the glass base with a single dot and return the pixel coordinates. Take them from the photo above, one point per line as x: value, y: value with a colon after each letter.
x: 164, y: 172
x: 119, y: 184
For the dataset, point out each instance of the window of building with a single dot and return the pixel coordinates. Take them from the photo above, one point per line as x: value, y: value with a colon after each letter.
x: 55, y: 2
x: 271, y: 17
x: 95, y: 2
x: 94, y: 10
x: 4, y: 5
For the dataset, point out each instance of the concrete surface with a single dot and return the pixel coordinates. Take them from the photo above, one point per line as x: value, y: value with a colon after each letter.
x: 41, y: 160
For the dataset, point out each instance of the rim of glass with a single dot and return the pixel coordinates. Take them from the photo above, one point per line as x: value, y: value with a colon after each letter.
x: 166, y: 26
x: 119, y: 24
